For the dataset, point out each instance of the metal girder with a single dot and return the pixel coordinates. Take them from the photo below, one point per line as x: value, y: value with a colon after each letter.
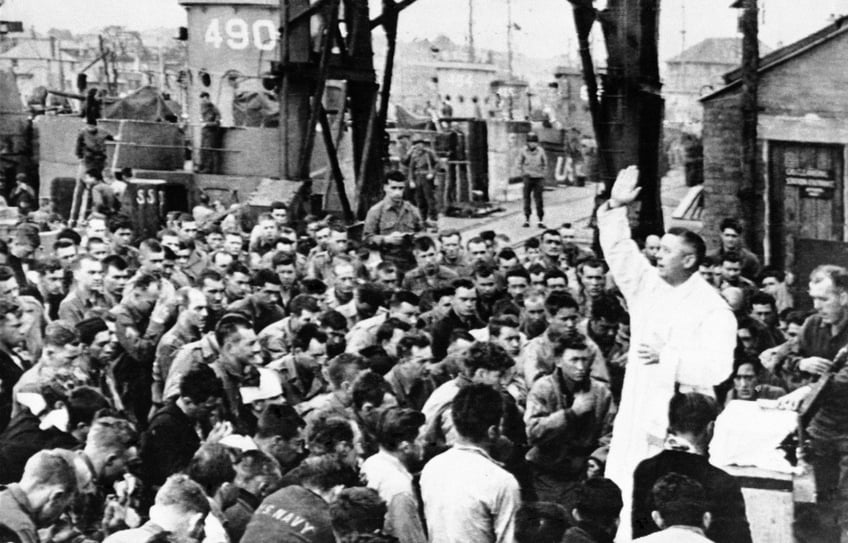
x: 308, y: 12
x: 377, y: 117
x: 282, y: 99
x: 348, y: 73
x: 318, y: 91
x: 344, y: 54
x: 380, y: 20
x: 335, y: 168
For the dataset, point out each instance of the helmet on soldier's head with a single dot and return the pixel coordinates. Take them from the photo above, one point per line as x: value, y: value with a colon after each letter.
x: 532, y: 137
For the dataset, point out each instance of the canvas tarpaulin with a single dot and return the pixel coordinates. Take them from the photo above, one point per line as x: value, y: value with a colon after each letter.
x: 408, y: 120
x: 144, y: 104
x: 252, y: 108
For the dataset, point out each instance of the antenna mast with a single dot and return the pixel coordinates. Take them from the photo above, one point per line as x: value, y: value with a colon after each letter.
x: 471, y: 54
x: 509, y: 36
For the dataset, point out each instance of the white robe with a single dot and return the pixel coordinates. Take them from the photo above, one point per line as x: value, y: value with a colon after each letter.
x: 691, y: 327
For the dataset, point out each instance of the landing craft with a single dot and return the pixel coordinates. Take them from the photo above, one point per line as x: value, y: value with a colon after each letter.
x: 230, y: 47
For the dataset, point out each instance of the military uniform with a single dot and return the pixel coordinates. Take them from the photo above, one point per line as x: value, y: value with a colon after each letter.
x: 422, y: 163
x: 210, y: 138
x: 387, y: 217
x: 418, y: 280
x: 461, y: 265
x: 91, y: 149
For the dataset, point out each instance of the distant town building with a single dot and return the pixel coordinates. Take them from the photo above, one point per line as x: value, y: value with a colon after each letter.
x: 39, y: 62
x: 132, y: 60
x: 697, y: 71
x: 136, y: 59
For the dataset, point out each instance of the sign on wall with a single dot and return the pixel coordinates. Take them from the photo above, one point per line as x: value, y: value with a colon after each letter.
x: 813, y: 182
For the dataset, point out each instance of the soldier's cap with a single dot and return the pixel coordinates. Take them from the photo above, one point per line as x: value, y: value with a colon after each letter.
x: 89, y: 328
x: 71, y: 234
x: 532, y: 137
x: 419, y: 138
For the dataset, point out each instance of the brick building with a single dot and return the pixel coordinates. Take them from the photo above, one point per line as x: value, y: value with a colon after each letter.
x: 800, y: 212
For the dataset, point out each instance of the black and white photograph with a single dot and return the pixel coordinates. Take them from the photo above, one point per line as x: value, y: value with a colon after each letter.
x: 423, y: 271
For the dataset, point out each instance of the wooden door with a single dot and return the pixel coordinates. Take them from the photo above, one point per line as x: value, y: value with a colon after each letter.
x: 806, y: 204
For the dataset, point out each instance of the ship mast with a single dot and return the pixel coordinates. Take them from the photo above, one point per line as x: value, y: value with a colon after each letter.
x: 471, y: 54
x: 509, y: 37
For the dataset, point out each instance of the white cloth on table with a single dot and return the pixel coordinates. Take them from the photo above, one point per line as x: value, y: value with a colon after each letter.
x: 749, y: 433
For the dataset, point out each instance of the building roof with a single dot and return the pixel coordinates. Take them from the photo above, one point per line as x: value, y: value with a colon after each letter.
x: 29, y: 49
x: 786, y: 53
x: 711, y: 51
x: 714, y: 51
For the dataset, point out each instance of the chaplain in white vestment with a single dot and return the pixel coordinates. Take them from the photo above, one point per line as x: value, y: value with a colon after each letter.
x: 682, y: 334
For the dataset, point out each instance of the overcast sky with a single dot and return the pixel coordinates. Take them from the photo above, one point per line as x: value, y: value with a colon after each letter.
x: 546, y: 25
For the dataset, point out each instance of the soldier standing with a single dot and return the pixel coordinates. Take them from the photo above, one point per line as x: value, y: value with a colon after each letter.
x: 91, y: 149
x: 210, y: 135
x: 391, y: 223
x: 423, y: 164
x: 533, y: 165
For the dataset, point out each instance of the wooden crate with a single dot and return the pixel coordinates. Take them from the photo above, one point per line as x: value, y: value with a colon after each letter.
x: 769, y: 503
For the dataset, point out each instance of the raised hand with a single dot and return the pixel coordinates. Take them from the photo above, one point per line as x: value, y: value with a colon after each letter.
x: 219, y: 432
x: 584, y: 402
x: 647, y: 354
x: 624, y: 191
x: 793, y: 400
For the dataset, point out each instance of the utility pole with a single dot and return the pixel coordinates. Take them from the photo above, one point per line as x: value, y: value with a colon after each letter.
x: 161, y: 55
x: 61, y: 65
x: 750, y: 188
x: 683, y: 42
x: 509, y: 37
x: 104, y: 57
x: 471, y: 55
x: 52, y: 60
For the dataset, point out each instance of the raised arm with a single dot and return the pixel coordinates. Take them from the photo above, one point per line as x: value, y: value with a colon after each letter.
x: 628, y: 265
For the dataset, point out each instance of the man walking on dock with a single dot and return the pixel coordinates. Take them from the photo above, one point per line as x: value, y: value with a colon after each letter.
x: 532, y: 165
